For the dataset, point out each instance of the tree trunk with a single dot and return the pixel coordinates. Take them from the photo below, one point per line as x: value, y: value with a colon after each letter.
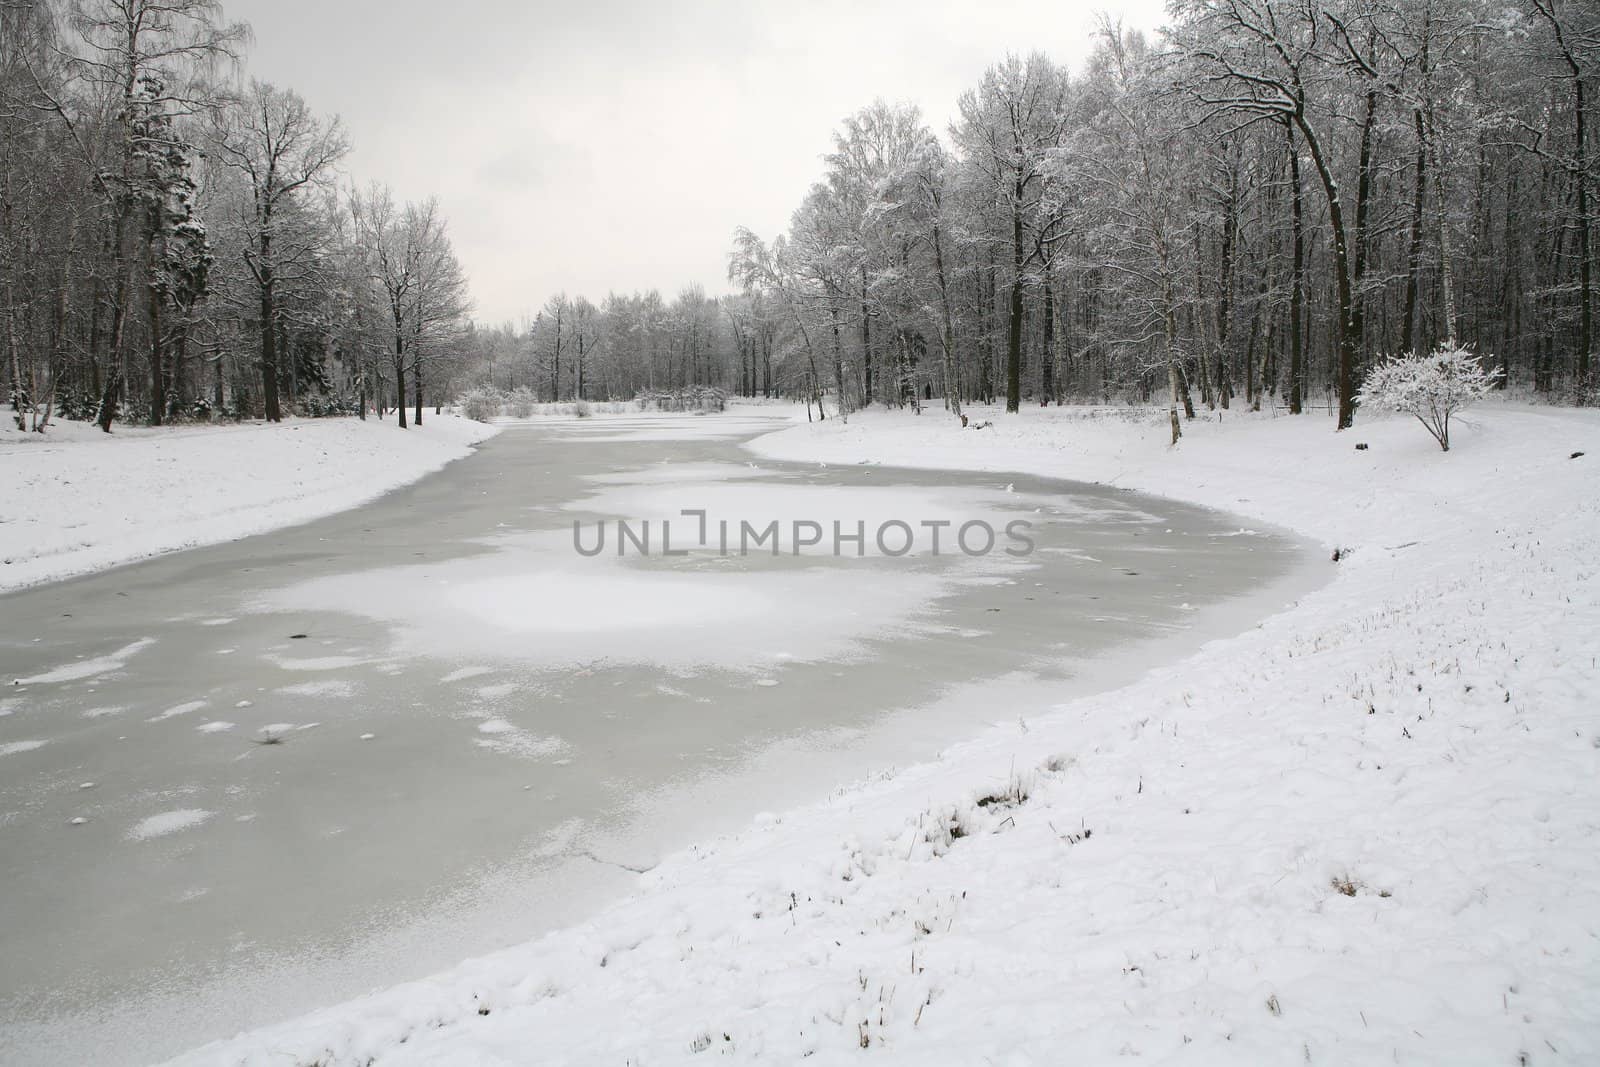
x: 179, y: 378
x: 1414, y: 254
x: 947, y: 333
x: 158, y: 384
x: 1297, y: 287
x: 400, y: 373
x: 838, y: 366
x: 1201, y: 322
x: 1447, y: 283
x: 119, y: 324
x: 555, y: 371
x: 1585, y: 297
x: 986, y: 306
x: 1176, y: 388
x: 1047, y: 353
x: 766, y: 364
x: 1014, y: 324
x: 1357, y: 312
x: 14, y: 361
x: 269, y: 347
x: 290, y: 361
x: 1348, y: 332
x: 578, y: 395
x: 866, y: 340
x: 1225, y: 293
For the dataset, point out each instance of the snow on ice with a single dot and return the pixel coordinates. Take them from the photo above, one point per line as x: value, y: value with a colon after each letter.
x: 168, y: 822
x: 89, y: 668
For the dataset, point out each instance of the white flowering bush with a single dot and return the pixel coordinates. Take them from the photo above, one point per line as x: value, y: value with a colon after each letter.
x: 1432, y: 387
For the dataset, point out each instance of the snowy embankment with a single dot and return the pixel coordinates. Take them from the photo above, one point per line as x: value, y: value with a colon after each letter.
x: 1367, y: 830
x: 76, y: 500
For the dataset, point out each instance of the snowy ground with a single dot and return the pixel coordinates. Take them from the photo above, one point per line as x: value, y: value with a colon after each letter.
x: 76, y: 500
x: 1365, y: 831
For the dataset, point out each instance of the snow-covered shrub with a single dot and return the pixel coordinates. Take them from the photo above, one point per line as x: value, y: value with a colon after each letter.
x: 519, y: 403
x: 581, y: 409
x: 77, y: 404
x: 319, y: 406
x: 480, y: 405
x: 1432, y: 387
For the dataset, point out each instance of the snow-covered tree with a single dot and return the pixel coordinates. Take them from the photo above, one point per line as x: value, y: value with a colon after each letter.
x: 280, y: 146
x: 914, y: 204
x: 139, y: 65
x: 419, y: 282
x: 1431, y: 387
x: 1008, y: 128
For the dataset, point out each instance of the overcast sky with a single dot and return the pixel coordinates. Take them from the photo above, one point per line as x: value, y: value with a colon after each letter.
x: 599, y: 145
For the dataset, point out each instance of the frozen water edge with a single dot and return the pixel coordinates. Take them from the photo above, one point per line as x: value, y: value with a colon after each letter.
x: 1374, y: 811
x: 46, y: 534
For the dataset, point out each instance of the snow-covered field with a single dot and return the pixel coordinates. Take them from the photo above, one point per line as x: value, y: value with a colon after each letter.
x: 76, y: 500
x: 1366, y: 831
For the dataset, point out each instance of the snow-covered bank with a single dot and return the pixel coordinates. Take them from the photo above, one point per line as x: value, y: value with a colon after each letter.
x: 1290, y: 471
x: 77, y: 500
x: 1367, y: 830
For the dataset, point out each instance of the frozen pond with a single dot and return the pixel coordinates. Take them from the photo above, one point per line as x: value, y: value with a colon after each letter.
x: 243, y: 781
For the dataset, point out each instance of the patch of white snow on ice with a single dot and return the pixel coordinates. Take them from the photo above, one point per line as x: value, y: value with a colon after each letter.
x: 329, y: 688
x: 463, y: 673
x: 180, y: 709
x: 168, y: 822
x: 88, y: 668
x: 511, y: 740
x: 319, y: 663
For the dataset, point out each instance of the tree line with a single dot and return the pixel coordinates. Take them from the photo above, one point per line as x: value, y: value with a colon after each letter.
x: 1253, y: 208
x: 628, y: 345
x: 178, y: 241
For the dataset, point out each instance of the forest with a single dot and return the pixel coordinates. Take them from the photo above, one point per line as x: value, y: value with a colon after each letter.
x: 177, y: 242
x: 1253, y: 207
